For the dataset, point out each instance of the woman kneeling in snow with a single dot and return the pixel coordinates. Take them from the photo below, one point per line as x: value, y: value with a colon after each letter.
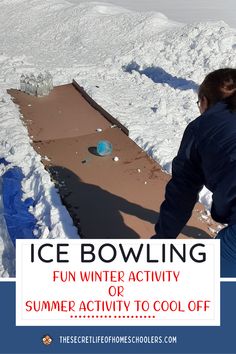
x: 207, y: 156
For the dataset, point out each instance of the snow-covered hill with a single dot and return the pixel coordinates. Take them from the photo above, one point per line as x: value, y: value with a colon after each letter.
x: 183, y: 10
x: 141, y: 67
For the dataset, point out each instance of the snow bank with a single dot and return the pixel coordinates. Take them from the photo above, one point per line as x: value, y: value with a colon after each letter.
x: 15, y: 148
x: 7, y: 250
x: 183, y: 10
x: 152, y: 89
x: 141, y: 67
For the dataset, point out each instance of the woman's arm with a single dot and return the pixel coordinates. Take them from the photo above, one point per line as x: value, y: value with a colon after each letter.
x: 182, y: 190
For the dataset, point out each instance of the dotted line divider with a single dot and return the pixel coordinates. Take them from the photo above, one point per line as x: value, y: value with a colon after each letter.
x: 109, y: 316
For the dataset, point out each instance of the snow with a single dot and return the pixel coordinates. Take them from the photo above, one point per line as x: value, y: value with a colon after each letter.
x: 15, y: 148
x: 140, y: 66
x: 7, y: 251
x: 152, y: 89
x: 185, y: 11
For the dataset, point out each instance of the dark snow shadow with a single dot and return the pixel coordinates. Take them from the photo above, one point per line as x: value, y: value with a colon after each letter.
x: 159, y: 75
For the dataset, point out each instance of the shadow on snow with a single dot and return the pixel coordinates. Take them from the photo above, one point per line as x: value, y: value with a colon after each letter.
x: 160, y: 76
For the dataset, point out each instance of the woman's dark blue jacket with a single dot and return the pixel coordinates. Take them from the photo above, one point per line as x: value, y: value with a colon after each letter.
x: 207, y: 156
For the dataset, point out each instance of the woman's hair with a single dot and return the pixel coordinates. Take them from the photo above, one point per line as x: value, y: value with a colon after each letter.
x: 220, y: 85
